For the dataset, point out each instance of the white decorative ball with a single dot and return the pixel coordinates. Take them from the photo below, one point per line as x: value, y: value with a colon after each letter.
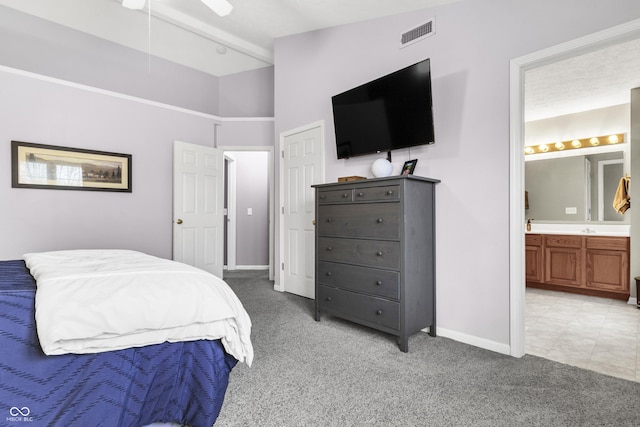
x: 381, y: 168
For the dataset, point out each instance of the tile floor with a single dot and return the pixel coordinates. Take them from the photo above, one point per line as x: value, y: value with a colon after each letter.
x: 594, y: 333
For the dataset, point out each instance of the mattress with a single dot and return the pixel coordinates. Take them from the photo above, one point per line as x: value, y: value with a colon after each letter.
x: 182, y: 382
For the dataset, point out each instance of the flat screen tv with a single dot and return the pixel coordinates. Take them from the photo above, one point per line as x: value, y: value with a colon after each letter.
x: 391, y: 112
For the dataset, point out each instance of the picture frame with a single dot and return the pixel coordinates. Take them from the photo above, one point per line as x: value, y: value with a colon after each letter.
x: 409, y: 167
x: 66, y: 168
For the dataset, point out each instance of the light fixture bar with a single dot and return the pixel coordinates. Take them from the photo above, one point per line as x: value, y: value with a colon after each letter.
x: 133, y: 4
x: 574, y: 144
x: 221, y: 7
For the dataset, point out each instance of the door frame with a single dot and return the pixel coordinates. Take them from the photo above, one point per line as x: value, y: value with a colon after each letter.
x: 281, y: 285
x: 271, y: 172
x: 518, y: 66
x: 230, y: 191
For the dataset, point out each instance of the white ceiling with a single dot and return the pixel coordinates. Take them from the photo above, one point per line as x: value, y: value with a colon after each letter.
x: 597, y: 79
x: 189, y: 33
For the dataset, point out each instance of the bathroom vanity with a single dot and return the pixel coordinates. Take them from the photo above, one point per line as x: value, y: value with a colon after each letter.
x: 579, y: 263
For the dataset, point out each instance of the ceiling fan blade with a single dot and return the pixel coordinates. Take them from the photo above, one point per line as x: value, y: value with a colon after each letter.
x: 221, y: 7
x: 133, y: 4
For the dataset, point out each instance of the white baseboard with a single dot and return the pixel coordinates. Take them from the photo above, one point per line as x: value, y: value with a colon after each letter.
x: 633, y: 301
x: 251, y: 267
x: 474, y: 341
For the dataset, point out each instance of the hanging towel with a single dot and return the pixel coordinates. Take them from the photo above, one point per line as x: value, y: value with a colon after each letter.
x: 622, y: 200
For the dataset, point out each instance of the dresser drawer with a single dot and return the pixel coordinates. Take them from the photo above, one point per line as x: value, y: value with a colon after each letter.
x: 361, y: 308
x: 382, y: 283
x: 344, y: 195
x: 376, y: 194
x: 376, y: 220
x: 371, y: 253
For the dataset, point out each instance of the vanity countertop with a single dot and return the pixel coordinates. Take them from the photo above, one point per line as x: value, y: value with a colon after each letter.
x: 581, y: 229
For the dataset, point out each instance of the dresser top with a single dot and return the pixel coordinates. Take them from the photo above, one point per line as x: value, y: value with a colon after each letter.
x: 381, y: 180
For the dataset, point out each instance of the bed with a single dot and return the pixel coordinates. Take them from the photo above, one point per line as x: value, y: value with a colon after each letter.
x: 174, y: 380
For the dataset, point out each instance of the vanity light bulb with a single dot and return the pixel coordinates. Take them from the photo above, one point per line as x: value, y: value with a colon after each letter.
x: 559, y: 146
x: 594, y: 141
x: 528, y: 150
x: 576, y: 143
x: 613, y: 139
x: 543, y: 148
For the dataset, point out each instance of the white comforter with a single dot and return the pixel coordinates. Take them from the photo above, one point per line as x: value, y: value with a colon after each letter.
x: 91, y: 301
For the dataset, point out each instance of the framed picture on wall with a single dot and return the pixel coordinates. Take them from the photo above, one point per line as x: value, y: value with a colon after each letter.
x: 66, y: 168
x: 409, y: 167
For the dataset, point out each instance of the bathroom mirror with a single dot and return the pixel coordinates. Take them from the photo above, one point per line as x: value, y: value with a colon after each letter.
x: 576, y: 187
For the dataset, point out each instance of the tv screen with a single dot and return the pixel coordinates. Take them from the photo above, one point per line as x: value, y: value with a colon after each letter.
x: 391, y: 112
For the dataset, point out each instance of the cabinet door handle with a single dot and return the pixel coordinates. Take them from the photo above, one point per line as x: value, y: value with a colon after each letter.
x: 379, y: 254
x: 328, y: 298
x: 328, y: 273
x: 329, y: 219
x: 380, y: 220
x: 379, y: 312
x: 329, y: 248
x: 379, y: 283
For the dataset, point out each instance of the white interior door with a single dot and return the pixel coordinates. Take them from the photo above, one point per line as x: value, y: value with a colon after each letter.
x: 302, y: 166
x: 198, y: 206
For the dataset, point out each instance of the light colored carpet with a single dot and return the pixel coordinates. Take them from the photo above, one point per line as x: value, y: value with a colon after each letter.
x: 335, y: 373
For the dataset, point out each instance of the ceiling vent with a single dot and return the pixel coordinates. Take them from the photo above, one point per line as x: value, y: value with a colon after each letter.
x: 418, y: 33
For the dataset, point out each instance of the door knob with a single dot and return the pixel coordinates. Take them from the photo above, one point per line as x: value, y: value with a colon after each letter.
x: 179, y: 221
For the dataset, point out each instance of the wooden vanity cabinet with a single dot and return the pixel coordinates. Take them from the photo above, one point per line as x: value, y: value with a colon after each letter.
x: 563, y: 256
x: 592, y: 265
x: 534, y: 266
x: 607, y: 264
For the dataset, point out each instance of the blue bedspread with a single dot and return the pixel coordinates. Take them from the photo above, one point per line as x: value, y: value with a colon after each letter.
x: 179, y: 382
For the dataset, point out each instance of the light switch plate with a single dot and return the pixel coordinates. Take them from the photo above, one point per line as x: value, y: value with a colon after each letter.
x: 570, y: 211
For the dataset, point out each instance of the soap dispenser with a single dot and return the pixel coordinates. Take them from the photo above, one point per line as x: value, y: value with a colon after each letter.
x: 529, y: 224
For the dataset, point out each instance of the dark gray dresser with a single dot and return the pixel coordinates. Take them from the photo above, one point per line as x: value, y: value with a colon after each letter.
x: 375, y: 252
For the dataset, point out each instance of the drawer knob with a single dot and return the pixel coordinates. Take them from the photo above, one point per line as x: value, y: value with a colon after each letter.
x: 380, y: 220
x: 379, y: 283
x: 360, y: 194
x: 329, y: 219
x: 328, y: 273
x: 329, y: 248
x: 322, y: 196
x: 379, y: 254
x: 328, y: 298
x: 379, y: 312
x: 390, y: 192
x: 345, y: 195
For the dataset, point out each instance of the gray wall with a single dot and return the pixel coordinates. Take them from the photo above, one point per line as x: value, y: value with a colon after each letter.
x: 252, y: 231
x: 470, y: 54
x: 247, y: 94
x: 553, y: 185
x: 612, y: 175
x: 635, y: 189
x: 34, y: 44
x: 34, y: 108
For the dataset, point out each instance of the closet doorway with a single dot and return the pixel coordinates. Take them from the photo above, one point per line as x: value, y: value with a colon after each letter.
x: 248, y: 224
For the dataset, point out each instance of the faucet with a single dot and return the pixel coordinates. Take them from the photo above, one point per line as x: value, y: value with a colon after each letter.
x: 588, y: 231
